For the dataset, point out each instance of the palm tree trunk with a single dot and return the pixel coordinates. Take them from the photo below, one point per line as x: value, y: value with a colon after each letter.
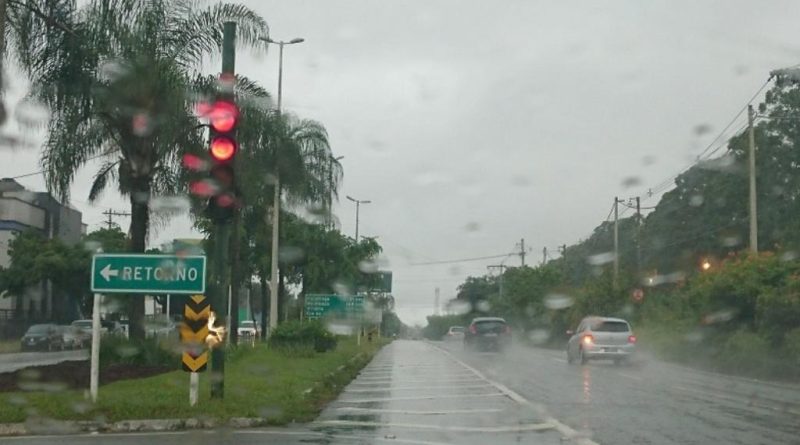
x: 140, y: 219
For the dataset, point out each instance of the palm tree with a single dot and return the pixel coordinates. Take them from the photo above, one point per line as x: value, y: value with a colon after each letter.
x: 300, y: 150
x: 119, y: 88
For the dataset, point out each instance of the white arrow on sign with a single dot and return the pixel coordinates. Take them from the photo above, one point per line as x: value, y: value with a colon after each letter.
x: 107, y: 272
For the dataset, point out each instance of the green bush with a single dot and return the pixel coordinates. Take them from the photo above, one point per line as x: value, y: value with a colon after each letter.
x: 791, y: 346
x: 748, y: 352
x: 148, y: 352
x: 298, y: 337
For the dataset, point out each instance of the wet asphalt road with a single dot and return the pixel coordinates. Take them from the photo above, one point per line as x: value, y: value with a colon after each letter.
x: 20, y: 360
x: 435, y: 393
x: 649, y: 402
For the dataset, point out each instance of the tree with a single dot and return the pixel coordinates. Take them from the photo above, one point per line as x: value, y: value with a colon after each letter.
x: 118, y: 86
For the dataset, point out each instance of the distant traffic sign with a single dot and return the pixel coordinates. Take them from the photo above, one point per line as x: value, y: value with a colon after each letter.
x: 320, y: 306
x: 148, y: 274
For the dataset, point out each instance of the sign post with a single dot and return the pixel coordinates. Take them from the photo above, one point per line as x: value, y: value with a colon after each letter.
x: 194, y: 332
x: 139, y: 274
x: 94, y: 373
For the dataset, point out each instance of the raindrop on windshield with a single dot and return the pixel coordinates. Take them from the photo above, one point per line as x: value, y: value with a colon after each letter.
x: 290, y: 254
x: 696, y: 200
x: 368, y: 266
x: 31, y: 112
x: 601, y: 258
x: 558, y: 301
x: 538, y: 336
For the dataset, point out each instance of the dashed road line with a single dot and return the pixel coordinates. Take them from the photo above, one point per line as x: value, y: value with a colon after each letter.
x: 560, y: 427
x: 453, y: 396
x: 413, y: 388
x: 419, y: 412
x: 452, y: 428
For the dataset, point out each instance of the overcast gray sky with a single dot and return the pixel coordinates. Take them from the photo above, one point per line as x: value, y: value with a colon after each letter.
x: 473, y: 124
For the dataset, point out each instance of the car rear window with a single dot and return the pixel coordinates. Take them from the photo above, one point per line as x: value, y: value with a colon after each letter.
x: 38, y: 328
x: 611, y: 326
x: 489, y: 325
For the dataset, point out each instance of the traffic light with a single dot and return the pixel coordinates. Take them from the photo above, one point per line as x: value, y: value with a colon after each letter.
x: 223, y: 116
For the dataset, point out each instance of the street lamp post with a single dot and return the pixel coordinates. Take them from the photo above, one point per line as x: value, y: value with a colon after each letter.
x: 276, y: 204
x: 358, y: 208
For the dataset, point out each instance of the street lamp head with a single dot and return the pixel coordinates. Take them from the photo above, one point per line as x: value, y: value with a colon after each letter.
x: 266, y: 39
x: 338, y: 158
x: 297, y: 40
x: 366, y: 202
x: 351, y: 198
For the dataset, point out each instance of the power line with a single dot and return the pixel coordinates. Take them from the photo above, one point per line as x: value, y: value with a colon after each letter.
x: 464, y: 260
x: 667, y: 183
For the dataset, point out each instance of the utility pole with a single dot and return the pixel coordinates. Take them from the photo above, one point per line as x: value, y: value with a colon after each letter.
x: 436, y: 302
x: 544, y: 256
x: 753, y: 209
x: 638, y: 237
x: 110, y: 214
x: 502, y: 268
x: 522, y: 251
x: 616, y: 242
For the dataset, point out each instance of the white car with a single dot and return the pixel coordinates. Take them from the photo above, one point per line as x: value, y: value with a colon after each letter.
x: 601, y: 338
x: 248, y: 329
x: 455, y: 333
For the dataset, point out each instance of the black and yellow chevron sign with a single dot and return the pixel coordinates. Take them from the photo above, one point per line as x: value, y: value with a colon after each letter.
x: 192, y: 363
x: 194, y: 331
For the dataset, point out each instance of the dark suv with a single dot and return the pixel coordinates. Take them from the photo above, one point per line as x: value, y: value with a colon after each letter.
x: 487, y: 334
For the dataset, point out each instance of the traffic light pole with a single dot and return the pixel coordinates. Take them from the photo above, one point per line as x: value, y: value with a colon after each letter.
x: 222, y: 238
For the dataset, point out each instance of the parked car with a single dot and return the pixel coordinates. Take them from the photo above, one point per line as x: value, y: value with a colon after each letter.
x: 601, y: 338
x: 42, y: 337
x: 74, y: 337
x: 455, y: 333
x: 248, y: 329
x: 86, y: 326
x: 487, y: 334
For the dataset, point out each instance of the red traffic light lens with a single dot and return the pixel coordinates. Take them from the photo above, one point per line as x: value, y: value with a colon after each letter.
x: 223, y: 116
x: 222, y: 148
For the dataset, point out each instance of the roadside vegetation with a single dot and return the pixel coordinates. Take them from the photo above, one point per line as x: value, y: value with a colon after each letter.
x: 260, y: 382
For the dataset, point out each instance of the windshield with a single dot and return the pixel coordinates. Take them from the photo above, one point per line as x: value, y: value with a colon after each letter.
x: 39, y: 329
x: 400, y: 222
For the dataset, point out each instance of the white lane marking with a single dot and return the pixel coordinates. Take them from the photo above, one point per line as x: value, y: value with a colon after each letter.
x: 392, y: 399
x: 419, y: 412
x: 411, y: 382
x: 407, y: 388
x: 630, y: 376
x: 453, y: 428
x: 354, y: 439
x: 562, y: 428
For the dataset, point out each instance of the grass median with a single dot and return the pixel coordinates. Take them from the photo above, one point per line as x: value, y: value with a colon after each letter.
x: 9, y: 346
x: 259, y: 382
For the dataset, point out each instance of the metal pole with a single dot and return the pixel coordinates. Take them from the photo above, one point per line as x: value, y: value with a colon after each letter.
x: 616, y: 241
x: 222, y: 239
x: 753, y: 208
x: 522, y: 251
x: 280, y: 74
x: 273, y: 282
x: 94, y: 373
x: 168, y: 295
x: 358, y: 206
x: 638, y: 237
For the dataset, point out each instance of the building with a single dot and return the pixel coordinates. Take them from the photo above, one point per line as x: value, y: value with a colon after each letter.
x: 21, y: 210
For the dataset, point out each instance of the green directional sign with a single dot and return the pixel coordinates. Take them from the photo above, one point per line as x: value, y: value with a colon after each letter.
x: 320, y: 306
x: 148, y: 274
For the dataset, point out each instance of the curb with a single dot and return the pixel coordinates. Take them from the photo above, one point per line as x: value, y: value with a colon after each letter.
x: 38, y: 427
